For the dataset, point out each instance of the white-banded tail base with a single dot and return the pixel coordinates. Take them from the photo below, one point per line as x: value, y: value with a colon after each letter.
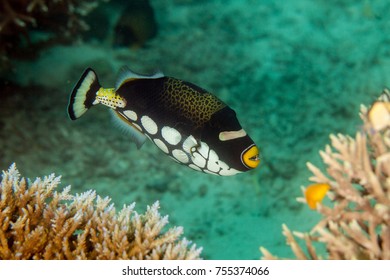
x: 83, y: 94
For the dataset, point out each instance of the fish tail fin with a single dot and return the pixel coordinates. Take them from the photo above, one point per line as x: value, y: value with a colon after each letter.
x: 83, y: 95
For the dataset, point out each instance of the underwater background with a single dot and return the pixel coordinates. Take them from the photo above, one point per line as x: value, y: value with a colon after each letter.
x: 294, y: 72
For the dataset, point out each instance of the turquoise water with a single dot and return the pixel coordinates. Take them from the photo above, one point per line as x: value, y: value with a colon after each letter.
x: 294, y: 71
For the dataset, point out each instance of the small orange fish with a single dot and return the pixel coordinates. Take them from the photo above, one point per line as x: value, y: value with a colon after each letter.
x: 315, y: 193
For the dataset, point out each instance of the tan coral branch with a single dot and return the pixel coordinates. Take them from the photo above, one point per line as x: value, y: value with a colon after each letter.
x: 356, y: 224
x: 37, y: 222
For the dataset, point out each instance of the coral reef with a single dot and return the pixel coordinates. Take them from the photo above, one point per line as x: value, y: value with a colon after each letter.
x: 55, y: 21
x: 356, y: 225
x: 37, y: 222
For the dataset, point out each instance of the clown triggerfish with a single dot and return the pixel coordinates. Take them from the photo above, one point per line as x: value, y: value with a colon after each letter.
x: 186, y: 122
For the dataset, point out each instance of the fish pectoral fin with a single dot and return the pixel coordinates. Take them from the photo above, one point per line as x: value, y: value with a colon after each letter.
x: 127, y: 127
x: 137, y: 136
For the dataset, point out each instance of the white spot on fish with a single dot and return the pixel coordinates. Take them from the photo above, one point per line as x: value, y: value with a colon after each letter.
x: 209, y: 172
x: 131, y: 115
x: 198, y: 160
x: 223, y: 165
x: 149, y: 125
x: 189, y: 143
x: 180, y: 156
x: 229, y: 172
x: 161, y: 145
x: 230, y: 135
x: 203, y: 150
x: 213, y: 162
x: 194, y: 167
x: 171, y: 135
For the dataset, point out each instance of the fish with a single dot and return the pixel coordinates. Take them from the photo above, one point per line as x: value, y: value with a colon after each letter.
x: 315, y: 193
x: 379, y: 113
x: 136, y: 25
x: 186, y: 122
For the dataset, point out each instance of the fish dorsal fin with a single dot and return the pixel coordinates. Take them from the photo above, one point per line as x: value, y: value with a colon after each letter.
x: 126, y: 75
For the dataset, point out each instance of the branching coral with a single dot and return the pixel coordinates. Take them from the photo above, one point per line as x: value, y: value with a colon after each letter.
x: 37, y: 222
x: 357, y: 224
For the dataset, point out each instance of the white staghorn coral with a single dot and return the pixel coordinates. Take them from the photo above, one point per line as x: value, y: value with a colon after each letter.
x: 357, y: 223
x: 37, y: 222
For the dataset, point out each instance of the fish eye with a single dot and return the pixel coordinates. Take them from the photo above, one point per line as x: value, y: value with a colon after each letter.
x: 250, y: 157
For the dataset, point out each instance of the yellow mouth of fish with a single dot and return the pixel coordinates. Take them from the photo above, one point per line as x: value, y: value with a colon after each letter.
x: 251, y: 157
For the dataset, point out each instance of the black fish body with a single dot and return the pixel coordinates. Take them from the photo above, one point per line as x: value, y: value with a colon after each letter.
x: 186, y: 122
